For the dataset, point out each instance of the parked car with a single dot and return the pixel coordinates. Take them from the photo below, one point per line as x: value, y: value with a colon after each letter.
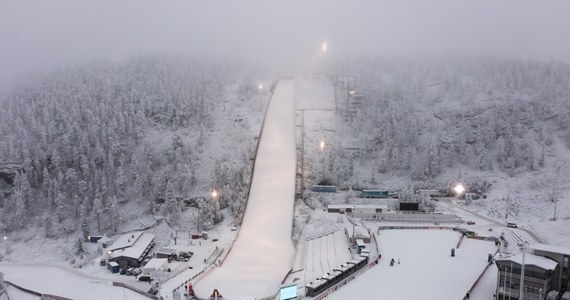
x: 102, y: 262
x: 130, y: 271
x: 123, y: 271
x: 234, y: 228
x: 470, y: 222
x: 512, y: 225
x: 182, y: 258
x: 136, y: 271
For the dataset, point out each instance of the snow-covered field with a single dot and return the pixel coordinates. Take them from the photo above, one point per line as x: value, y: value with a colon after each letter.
x: 426, y: 269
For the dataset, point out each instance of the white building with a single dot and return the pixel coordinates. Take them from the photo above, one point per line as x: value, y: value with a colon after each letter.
x: 359, y: 211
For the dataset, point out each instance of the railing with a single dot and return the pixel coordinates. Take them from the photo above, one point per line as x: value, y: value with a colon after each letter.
x: 480, y: 276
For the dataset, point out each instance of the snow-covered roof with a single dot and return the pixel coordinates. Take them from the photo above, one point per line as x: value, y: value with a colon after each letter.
x: 531, y: 259
x: 126, y: 240
x: 137, y: 249
x: 155, y: 263
x: 550, y: 248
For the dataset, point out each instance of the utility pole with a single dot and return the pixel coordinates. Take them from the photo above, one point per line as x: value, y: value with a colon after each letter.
x: 521, y: 290
x: 554, y: 190
x: 302, y: 152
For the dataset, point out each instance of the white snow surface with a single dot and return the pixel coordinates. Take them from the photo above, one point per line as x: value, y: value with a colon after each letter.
x: 63, y: 282
x: 263, y: 252
x: 426, y: 269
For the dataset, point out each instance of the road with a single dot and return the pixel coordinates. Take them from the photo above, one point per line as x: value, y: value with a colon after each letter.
x: 529, y: 232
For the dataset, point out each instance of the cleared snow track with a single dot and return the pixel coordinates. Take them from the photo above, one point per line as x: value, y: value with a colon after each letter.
x: 263, y: 252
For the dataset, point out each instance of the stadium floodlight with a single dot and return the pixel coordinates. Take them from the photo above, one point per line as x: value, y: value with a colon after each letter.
x: 459, y: 188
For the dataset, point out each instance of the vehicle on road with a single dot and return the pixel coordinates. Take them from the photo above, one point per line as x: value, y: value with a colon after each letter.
x: 512, y: 225
x: 470, y: 222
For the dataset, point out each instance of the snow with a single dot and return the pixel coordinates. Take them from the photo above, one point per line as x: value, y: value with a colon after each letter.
x: 425, y: 267
x: 61, y: 282
x: 125, y: 241
x: 263, y: 252
x: 15, y: 293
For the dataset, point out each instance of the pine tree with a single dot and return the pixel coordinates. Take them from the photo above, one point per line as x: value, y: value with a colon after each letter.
x: 59, y: 206
x: 98, y: 208
x: 84, y: 219
x: 121, y: 184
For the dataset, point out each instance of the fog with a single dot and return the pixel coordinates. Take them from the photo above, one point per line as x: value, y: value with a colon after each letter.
x: 38, y: 35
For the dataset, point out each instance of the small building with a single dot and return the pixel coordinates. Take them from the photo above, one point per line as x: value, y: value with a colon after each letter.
x: 359, y: 211
x: 324, y: 189
x: 113, y: 267
x: 154, y: 265
x: 130, y: 249
x: 93, y: 238
x: 375, y: 194
x: 538, y: 276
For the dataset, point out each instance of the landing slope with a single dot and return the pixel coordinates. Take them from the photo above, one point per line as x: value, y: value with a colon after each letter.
x: 263, y: 252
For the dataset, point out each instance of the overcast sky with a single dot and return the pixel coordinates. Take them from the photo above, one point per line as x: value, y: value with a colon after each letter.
x: 47, y: 34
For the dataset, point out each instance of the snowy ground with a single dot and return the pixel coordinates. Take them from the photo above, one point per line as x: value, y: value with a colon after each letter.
x: 63, y: 282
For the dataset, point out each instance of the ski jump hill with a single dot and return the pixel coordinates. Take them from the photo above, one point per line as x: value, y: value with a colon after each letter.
x: 263, y: 252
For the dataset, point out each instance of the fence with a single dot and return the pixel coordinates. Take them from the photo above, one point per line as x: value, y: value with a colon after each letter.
x: 42, y: 295
x: 123, y: 285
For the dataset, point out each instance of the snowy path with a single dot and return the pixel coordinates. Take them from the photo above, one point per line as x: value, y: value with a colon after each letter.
x: 263, y: 252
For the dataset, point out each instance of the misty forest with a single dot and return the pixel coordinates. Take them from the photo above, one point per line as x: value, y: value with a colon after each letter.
x: 106, y: 135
